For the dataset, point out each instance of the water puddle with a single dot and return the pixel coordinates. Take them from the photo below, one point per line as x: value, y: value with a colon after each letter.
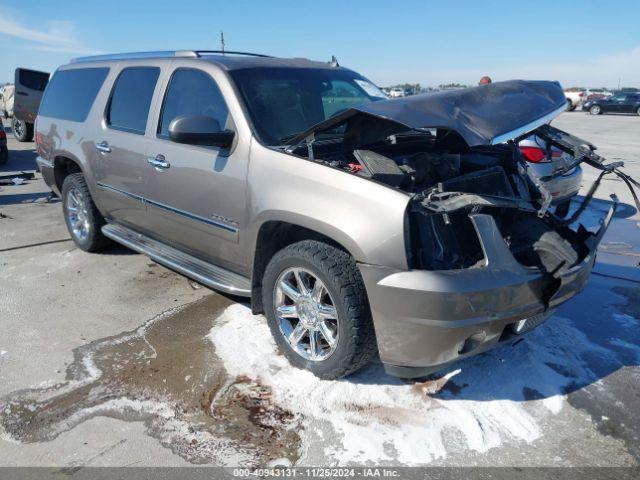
x: 167, y: 375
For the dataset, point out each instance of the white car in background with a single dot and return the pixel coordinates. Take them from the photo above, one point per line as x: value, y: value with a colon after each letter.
x: 6, y: 100
x: 396, y: 93
x: 574, y: 99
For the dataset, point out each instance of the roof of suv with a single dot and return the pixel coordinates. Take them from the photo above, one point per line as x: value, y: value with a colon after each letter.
x: 227, y: 60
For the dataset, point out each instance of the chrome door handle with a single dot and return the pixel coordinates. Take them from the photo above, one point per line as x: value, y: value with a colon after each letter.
x: 103, y: 147
x: 158, y: 162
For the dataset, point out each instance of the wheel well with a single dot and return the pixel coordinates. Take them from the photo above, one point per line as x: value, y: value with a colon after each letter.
x: 273, y: 237
x: 63, y: 166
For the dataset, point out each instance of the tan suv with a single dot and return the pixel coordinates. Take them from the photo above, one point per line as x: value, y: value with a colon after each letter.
x: 413, y: 228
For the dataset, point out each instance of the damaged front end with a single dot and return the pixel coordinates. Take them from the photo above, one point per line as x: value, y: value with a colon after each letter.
x: 487, y: 255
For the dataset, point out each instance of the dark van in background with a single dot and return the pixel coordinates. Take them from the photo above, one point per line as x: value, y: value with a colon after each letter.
x: 29, y: 87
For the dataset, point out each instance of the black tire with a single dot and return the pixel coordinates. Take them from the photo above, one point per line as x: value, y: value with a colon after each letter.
x: 638, y: 111
x: 562, y: 209
x: 595, y: 110
x: 356, y: 343
x: 570, y: 106
x: 22, y: 131
x: 94, y: 240
x: 4, y: 155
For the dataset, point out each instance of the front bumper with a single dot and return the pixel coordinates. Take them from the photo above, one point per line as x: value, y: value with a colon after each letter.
x: 46, y: 169
x: 425, y: 320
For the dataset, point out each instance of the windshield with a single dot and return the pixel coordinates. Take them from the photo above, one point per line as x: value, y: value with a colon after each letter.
x: 283, y: 102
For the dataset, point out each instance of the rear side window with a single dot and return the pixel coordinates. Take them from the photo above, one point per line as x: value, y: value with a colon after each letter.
x: 33, y: 79
x: 71, y: 93
x: 192, y: 92
x: 131, y: 98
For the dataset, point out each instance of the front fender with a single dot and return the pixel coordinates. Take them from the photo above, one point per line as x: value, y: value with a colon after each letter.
x: 365, y: 217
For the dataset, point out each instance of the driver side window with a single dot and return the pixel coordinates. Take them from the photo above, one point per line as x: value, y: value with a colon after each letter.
x: 192, y: 92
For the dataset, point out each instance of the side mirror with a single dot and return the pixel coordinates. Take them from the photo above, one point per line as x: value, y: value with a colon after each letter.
x: 199, y: 130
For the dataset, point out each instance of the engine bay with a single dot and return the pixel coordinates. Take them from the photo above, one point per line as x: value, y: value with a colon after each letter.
x: 449, y: 181
x: 416, y: 162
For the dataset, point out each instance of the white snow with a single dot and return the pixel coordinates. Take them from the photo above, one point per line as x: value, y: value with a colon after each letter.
x: 504, y: 396
x: 379, y: 418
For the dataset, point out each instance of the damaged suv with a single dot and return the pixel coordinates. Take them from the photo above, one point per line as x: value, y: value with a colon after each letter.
x: 414, y: 228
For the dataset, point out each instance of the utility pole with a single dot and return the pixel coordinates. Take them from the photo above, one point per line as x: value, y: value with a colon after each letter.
x: 222, y: 41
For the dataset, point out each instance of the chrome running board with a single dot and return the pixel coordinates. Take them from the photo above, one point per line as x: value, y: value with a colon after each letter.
x: 210, y: 275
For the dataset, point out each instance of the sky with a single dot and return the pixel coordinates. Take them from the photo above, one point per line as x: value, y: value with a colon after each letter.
x: 579, y: 43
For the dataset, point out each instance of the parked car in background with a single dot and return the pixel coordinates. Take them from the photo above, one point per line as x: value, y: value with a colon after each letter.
x: 29, y: 87
x: 397, y: 93
x: 618, y: 103
x: 410, y: 228
x: 594, y: 96
x: 4, y: 151
x: 574, y: 98
x: 600, y: 92
x: 6, y: 100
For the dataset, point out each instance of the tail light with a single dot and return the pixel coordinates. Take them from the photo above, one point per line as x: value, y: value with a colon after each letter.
x: 537, y: 154
x: 3, y: 135
x: 581, y: 94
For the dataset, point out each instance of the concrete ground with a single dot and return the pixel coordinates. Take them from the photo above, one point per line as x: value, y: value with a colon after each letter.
x: 110, y: 360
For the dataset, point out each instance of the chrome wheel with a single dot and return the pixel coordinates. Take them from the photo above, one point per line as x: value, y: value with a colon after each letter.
x: 77, y: 214
x: 595, y: 110
x: 18, y: 128
x: 306, y: 314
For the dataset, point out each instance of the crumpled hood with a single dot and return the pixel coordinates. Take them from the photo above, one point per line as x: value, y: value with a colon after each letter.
x: 484, y: 115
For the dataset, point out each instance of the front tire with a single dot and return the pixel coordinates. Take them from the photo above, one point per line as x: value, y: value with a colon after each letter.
x: 570, y: 106
x: 595, y: 110
x: 638, y: 111
x: 317, y: 309
x: 22, y: 131
x: 81, y: 215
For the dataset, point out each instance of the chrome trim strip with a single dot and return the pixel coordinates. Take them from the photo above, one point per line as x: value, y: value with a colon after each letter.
x: 192, y: 216
x: 121, y: 192
x: 528, y: 127
x: 163, y: 206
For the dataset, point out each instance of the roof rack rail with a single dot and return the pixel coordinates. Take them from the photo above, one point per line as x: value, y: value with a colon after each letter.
x: 199, y: 53
x: 160, y: 54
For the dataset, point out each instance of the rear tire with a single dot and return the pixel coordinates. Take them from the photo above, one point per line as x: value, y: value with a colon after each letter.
x: 595, y: 110
x: 81, y: 215
x: 570, y: 106
x: 22, y: 131
x: 638, y: 111
x: 352, y: 330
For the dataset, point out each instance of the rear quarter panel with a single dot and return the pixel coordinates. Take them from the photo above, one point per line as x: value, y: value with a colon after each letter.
x: 57, y: 138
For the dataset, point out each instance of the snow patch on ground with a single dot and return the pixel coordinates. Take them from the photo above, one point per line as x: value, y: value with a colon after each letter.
x: 380, y: 418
